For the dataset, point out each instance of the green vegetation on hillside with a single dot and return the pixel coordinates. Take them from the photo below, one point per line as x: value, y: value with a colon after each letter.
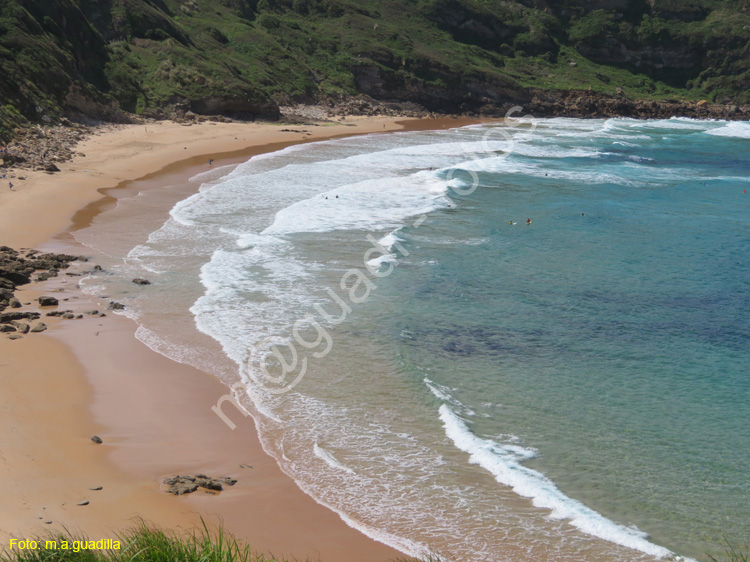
x: 243, y: 57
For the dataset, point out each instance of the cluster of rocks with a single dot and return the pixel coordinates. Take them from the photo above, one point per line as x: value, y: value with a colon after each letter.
x: 361, y: 105
x: 42, y: 148
x: 595, y: 105
x: 365, y: 105
x: 181, y: 485
x: 19, y: 268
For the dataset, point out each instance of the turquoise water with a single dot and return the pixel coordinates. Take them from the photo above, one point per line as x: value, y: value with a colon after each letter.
x: 611, y: 334
x: 576, y: 388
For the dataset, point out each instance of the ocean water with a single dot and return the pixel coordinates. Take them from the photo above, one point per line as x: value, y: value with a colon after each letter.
x: 451, y: 379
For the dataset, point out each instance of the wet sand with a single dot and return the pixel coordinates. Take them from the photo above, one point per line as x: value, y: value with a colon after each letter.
x: 91, y: 376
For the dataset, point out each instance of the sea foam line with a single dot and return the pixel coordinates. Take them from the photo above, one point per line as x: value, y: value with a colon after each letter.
x: 504, y: 465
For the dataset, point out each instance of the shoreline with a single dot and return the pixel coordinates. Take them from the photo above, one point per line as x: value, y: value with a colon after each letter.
x: 93, y: 377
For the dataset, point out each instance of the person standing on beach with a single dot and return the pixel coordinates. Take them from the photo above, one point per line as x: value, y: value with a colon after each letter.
x: 10, y: 185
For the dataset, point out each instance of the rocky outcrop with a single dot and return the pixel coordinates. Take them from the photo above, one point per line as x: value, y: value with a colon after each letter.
x: 240, y: 105
x: 596, y: 105
x: 8, y: 317
x: 449, y: 92
x: 181, y: 485
x: 17, y: 268
x: 42, y: 148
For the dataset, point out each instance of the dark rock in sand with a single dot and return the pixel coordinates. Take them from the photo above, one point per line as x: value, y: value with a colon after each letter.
x: 21, y: 327
x: 68, y: 316
x: 93, y: 312
x: 48, y: 301
x: 139, y: 281
x: 97, y: 489
x: 7, y: 328
x: 15, y: 337
x: 39, y: 327
x: 96, y: 439
x: 85, y: 502
x: 114, y: 305
x: 50, y: 167
x: 16, y: 277
x: 181, y: 485
x: 55, y: 313
x: 14, y: 303
x: 6, y: 317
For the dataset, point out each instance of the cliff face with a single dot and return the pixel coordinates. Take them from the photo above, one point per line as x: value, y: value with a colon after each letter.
x: 243, y: 57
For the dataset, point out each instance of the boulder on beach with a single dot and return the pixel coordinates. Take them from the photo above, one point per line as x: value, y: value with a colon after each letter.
x: 39, y: 327
x: 47, y: 301
x: 6, y: 317
x: 21, y: 327
x: 139, y: 281
x: 181, y: 485
x: 96, y: 439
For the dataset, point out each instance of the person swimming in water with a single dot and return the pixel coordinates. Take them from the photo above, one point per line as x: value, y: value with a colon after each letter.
x: 528, y: 221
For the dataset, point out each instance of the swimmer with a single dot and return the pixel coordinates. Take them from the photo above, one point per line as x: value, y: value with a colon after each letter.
x: 528, y: 221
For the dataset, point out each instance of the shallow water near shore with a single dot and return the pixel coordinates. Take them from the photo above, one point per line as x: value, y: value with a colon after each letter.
x: 573, y: 388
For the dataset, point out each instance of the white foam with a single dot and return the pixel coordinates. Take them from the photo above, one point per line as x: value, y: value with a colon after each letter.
x: 330, y: 460
x: 504, y: 463
x: 365, y: 205
x: 257, y: 283
x: 735, y: 129
x: 387, y: 242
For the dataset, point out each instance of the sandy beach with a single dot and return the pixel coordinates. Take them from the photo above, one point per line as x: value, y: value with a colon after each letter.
x: 91, y: 376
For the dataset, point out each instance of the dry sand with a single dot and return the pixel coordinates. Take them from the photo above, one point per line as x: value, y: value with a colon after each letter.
x: 92, y: 376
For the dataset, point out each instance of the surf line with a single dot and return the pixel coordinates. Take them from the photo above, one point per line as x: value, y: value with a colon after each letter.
x: 356, y: 284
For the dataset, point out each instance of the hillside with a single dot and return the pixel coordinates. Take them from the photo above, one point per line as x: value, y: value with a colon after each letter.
x: 245, y: 57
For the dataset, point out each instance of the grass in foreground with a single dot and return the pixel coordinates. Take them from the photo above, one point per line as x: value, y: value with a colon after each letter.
x: 142, y: 543
x: 146, y: 543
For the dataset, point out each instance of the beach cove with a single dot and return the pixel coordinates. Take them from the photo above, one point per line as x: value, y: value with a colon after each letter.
x: 154, y: 415
x: 505, y: 341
